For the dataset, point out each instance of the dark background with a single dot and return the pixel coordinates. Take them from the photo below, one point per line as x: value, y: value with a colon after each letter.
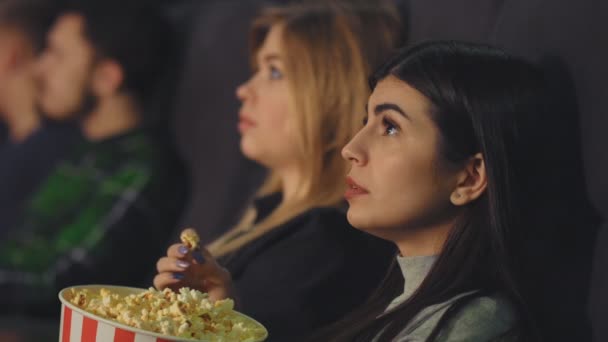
x: 571, y: 36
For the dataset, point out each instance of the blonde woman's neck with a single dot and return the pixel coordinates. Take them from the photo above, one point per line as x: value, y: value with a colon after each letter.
x: 297, y: 197
x: 291, y: 179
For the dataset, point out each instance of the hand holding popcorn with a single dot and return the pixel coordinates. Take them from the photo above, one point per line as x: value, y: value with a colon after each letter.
x: 189, y: 265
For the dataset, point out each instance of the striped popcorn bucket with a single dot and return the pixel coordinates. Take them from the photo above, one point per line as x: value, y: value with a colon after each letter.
x: 78, y: 325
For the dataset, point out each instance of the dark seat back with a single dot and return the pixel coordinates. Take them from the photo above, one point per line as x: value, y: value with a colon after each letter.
x: 206, y: 114
x: 570, y: 39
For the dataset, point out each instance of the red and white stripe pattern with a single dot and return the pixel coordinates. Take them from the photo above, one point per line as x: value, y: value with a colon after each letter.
x: 75, y: 327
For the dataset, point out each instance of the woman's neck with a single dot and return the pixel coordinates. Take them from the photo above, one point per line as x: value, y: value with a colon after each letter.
x: 291, y: 183
x: 424, y: 241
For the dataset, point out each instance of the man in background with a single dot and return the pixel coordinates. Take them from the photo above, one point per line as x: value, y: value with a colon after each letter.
x: 105, y: 214
x: 30, y: 146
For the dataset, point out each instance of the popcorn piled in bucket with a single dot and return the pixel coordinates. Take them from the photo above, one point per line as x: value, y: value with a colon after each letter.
x: 187, y: 314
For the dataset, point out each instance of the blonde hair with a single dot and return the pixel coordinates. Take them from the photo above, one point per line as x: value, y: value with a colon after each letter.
x: 329, y: 48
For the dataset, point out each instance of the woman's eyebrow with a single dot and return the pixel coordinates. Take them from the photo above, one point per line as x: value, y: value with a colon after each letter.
x: 271, y: 57
x: 382, y: 107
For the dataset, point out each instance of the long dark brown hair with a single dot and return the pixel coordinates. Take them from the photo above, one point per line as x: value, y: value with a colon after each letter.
x: 483, y: 101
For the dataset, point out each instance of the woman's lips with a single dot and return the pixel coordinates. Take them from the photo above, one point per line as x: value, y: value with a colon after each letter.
x: 353, y: 189
x: 245, y: 123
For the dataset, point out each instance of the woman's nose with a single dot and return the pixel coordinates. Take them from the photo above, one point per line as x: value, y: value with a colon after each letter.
x: 242, y: 91
x: 354, y: 151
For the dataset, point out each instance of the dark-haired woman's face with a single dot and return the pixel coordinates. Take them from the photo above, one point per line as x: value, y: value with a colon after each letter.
x: 396, y: 183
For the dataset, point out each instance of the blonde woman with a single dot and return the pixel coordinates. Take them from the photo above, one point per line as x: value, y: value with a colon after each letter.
x: 294, y: 262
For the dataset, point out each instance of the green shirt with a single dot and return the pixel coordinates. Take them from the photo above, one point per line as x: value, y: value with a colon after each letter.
x: 103, y: 216
x: 483, y: 319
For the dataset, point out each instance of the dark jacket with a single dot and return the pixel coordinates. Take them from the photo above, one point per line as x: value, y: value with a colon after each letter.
x: 308, y: 272
x: 24, y: 166
x: 103, y: 216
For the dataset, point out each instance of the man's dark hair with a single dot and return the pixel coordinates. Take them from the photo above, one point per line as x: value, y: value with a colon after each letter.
x: 134, y: 34
x: 32, y: 17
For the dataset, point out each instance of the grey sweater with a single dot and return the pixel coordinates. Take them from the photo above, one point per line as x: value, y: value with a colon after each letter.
x: 483, y: 319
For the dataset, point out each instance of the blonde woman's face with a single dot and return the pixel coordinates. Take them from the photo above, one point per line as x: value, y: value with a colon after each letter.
x: 266, y: 118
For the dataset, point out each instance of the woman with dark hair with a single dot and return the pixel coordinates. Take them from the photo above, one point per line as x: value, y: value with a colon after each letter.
x: 450, y: 166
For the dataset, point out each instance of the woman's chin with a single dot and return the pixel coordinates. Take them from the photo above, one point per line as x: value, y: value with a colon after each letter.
x: 247, y: 149
x: 358, y: 220
x: 252, y: 154
x: 370, y: 225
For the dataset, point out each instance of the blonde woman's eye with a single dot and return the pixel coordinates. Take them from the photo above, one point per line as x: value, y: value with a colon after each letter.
x: 275, y: 74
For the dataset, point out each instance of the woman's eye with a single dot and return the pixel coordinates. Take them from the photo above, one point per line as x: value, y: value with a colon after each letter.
x: 275, y: 74
x: 389, y: 127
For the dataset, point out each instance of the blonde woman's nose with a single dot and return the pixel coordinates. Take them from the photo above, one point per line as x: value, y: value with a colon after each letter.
x: 243, y: 91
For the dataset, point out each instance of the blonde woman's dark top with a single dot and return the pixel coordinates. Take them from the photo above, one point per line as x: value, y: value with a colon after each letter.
x: 308, y: 272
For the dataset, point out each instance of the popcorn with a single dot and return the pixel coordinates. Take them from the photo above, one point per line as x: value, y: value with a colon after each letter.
x: 187, y: 314
x: 190, y: 239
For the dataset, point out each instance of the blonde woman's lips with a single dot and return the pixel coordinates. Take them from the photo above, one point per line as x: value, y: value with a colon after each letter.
x: 245, y: 123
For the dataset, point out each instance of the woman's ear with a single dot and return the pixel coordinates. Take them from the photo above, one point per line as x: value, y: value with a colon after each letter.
x: 472, y: 181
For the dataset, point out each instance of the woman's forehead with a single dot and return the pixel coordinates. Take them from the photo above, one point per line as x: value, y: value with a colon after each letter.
x: 393, y: 90
x: 272, y: 44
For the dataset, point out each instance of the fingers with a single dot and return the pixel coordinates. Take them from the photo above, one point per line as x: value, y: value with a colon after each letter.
x: 171, y: 272
x: 211, y: 272
x: 168, y: 264
x: 202, y: 256
x: 177, y: 250
x: 206, y: 254
x: 196, y: 269
x: 163, y: 280
x: 204, y: 267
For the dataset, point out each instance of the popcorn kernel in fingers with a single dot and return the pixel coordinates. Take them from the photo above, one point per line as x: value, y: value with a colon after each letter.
x: 190, y: 239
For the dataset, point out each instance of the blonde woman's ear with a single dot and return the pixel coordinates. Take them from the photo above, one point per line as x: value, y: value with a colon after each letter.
x: 472, y: 181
